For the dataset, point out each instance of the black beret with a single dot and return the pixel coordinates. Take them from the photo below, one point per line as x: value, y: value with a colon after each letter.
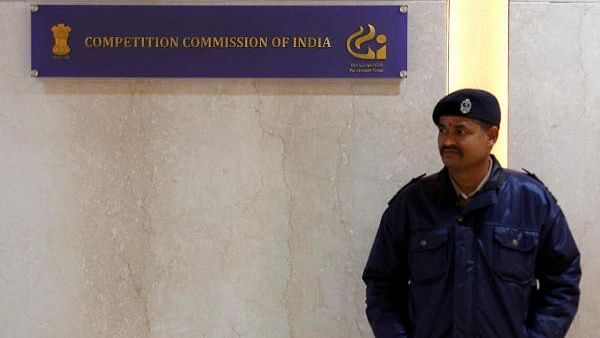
x: 473, y: 103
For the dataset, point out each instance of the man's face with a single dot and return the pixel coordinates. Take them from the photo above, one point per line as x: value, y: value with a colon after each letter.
x: 463, y: 142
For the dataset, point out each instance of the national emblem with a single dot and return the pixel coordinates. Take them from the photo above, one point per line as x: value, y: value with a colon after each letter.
x: 60, y: 32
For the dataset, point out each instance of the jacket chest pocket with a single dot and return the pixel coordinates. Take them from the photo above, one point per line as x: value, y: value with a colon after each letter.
x: 428, y: 255
x: 514, y: 254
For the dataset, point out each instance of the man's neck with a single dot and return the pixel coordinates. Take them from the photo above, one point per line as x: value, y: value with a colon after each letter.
x: 469, y: 179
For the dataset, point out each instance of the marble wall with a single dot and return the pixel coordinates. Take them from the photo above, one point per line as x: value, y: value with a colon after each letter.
x: 554, y: 100
x: 201, y: 208
x: 246, y: 208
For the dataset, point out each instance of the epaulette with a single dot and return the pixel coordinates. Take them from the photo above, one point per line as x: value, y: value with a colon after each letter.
x: 532, y: 175
x: 413, y: 180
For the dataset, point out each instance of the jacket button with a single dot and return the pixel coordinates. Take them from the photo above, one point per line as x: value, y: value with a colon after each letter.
x: 515, y: 242
x: 423, y: 242
x: 460, y: 219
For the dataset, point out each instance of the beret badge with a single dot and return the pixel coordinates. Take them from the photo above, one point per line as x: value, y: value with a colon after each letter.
x: 465, y: 106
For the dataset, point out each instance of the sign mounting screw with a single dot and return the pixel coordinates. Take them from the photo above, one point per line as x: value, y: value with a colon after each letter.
x: 404, y: 9
x: 34, y: 8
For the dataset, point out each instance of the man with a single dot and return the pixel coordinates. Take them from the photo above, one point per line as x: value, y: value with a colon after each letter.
x: 474, y: 250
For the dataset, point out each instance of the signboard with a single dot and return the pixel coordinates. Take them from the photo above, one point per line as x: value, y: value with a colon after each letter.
x: 219, y: 41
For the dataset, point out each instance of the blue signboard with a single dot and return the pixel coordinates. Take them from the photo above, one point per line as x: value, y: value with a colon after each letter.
x: 219, y: 41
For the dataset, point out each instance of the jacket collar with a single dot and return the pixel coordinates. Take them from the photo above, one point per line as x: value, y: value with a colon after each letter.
x: 442, y: 191
x: 497, y: 176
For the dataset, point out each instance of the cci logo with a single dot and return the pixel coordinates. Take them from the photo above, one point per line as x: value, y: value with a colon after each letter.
x: 355, y: 41
x: 60, y: 32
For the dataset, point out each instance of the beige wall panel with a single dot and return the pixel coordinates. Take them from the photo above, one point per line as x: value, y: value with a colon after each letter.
x: 202, y: 208
x: 555, y: 124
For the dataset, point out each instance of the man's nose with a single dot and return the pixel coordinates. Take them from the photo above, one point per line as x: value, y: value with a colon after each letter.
x: 448, y: 139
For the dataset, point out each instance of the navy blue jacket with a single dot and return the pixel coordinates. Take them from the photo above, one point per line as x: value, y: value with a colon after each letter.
x: 504, y: 266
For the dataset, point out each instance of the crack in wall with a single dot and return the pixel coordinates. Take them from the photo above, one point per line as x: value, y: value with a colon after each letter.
x: 580, y: 62
x: 341, y: 162
x: 118, y: 190
x: 284, y: 157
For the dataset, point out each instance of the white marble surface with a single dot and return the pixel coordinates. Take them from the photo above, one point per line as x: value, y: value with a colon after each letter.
x: 555, y: 123
x: 201, y: 208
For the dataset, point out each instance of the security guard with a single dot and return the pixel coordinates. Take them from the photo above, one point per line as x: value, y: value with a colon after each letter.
x: 474, y: 250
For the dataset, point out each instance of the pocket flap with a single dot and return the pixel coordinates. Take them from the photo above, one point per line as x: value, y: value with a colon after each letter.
x: 516, y: 239
x: 424, y: 241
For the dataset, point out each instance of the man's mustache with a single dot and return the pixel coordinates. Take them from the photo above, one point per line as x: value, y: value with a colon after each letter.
x: 454, y: 148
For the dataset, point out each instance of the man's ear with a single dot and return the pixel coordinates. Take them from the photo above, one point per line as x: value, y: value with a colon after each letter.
x: 492, y: 135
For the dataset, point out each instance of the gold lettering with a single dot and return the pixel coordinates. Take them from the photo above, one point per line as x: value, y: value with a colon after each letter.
x: 311, y: 42
x: 187, y: 41
x: 298, y: 42
x: 135, y: 42
x: 258, y: 42
x: 240, y: 41
x: 205, y: 42
x: 276, y: 42
x: 220, y: 42
x: 196, y: 42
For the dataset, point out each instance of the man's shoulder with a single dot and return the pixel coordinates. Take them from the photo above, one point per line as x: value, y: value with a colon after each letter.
x: 413, y: 185
x: 528, y: 181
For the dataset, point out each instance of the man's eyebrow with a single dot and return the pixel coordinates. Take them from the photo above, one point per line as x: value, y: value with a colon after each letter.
x: 455, y: 125
x: 461, y: 125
